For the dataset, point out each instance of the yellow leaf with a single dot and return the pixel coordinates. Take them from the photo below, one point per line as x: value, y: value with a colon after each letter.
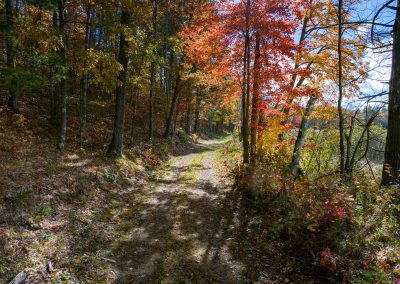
x: 312, y: 227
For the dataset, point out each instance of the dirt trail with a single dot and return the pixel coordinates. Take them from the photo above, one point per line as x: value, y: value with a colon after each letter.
x: 184, y: 227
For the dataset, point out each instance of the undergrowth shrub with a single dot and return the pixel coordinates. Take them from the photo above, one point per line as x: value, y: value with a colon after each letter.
x: 346, y: 231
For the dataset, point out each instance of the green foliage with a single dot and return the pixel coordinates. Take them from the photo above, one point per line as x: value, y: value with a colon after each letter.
x: 103, y: 67
x: 373, y: 277
x: 164, y: 151
x: 320, y: 154
x: 23, y: 196
x: 347, y: 227
x: 43, y: 210
x: 21, y: 81
x: 66, y: 277
x: 111, y: 176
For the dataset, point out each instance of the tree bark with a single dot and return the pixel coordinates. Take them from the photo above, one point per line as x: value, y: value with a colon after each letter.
x: 134, y: 108
x: 340, y: 81
x: 197, y: 113
x: 170, y: 122
x: 390, y: 174
x: 255, y: 107
x: 13, y: 99
x: 85, y: 78
x: 20, y: 278
x: 245, y: 90
x: 152, y: 74
x: 54, y: 103
x: 63, y: 83
x: 120, y: 92
x: 134, y: 103
x: 289, y: 101
x: 301, y: 136
x: 189, y: 119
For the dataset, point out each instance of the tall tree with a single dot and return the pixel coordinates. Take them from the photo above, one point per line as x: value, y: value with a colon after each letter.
x: 301, y: 136
x: 13, y: 100
x: 117, y: 141
x: 152, y: 72
x: 64, y: 82
x: 246, y: 84
x: 85, y: 77
x: 340, y: 84
x: 321, y: 61
x: 197, y: 112
x: 255, y: 109
x: 170, y: 120
x: 391, y: 169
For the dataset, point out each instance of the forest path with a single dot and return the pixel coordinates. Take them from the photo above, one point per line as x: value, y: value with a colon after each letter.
x: 184, y: 226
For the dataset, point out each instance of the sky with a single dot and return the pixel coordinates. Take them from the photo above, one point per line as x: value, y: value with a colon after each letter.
x: 377, y: 81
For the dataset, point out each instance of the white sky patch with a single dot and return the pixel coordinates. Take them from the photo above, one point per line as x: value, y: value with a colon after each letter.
x: 379, y: 77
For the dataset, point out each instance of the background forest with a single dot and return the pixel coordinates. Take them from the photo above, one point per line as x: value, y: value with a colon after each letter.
x: 286, y: 112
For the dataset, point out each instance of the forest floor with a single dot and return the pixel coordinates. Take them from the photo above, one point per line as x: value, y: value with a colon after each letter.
x: 83, y: 217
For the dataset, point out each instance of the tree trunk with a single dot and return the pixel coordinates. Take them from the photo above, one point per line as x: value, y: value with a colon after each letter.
x: 20, y: 278
x: 197, y: 113
x: 189, y: 119
x: 170, y: 122
x: 85, y: 78
x: 175, y: 122
x: 245, y: 90
x: 134, y: 103
x: 54, y: 104
x: 255, y: 107
x: 119, y: 121
x: 340, y: 80
x: 63, y: 83
x: 133, y: 118
x: 13, y: 99
x: 390, y: 174
x: 289, y: 101
x: 301, y: 136
x: 152, y: 74
x: 348, y: 146
x: 134, y: 108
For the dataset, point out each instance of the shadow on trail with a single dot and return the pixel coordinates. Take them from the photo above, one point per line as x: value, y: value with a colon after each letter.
x: 188, y: 230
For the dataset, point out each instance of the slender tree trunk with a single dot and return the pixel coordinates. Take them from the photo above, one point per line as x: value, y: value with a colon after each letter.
x: 120, y: 92
x: 197, y: 113
x: 245, y: 91
x: 63, y: 83
x: 189, y: 119
x: 301, y: 136
x: 53, y: 107
x: 238, y: 125
x: 248, y: 102
x: 152, y: 73
x: 348, y: 139
x: 133, y: 119
x: 54, y: 104
x: 134, y: 108
x: 170, y: 122
x: 289, y: 101
x: 255, y: 107
x: 175, y: 122
x: 340, y: 78
x: 391, y: 170
x: 85, y: 78
x: 13, y: 99
x: 133, y: 103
